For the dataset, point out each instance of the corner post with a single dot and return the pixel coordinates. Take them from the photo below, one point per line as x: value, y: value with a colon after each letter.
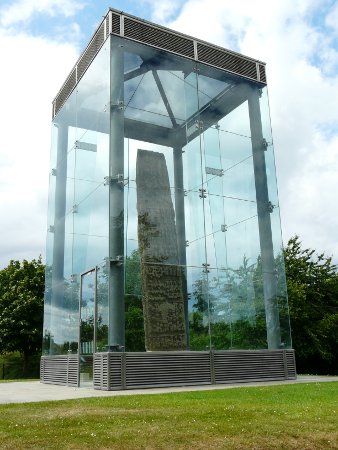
x: 116, y: 339
x: 180, y: 229
x: 264, y: 222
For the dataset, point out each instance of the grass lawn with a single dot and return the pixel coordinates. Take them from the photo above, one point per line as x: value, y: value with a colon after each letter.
x: 302, y: 416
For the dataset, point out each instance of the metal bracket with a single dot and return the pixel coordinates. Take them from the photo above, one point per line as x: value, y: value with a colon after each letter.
x: 51, y: 228
x: 199, y: 124
x: 73, y: 278
x: 187, y: 243
x: 205, y: 265
x: 203, y: 193
x: 119, y: 178
x: 185, y: 192
x: 265, y: 144
x: 75, y: 209
x: 54, y: 172
x: 118, y: 105
x: 224, y: 228
x: 117, y: 261
x: 270, y: 207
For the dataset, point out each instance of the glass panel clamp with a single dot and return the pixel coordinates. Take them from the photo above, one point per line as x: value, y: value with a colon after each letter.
x: 205, y: 265
x: 117, y: 105
x: 203, y: 193
x: 270, y: 207
x: 73, y: 278
x: 116, y: 261
x: 265, y: 144
x: 119, y: 178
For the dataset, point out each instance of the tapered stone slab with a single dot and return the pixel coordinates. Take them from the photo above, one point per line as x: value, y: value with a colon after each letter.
x: 163, y: 301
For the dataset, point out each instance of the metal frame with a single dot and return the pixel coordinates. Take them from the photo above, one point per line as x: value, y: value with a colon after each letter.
x: 164, y: 39
x: 82, y: 274
x: 119, y: 364
x: 120, y: 371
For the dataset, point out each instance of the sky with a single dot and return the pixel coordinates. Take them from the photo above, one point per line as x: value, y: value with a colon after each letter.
x: 40, y: 41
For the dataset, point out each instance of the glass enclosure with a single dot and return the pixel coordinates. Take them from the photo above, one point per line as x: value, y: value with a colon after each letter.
x: 164, y: 230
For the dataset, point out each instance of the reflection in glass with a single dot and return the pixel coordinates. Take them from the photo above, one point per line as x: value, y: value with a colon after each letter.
x: 179, y: 215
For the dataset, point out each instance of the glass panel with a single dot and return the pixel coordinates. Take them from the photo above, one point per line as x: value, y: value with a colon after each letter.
x: 77, y: 210
x: 87, y: 325
x: 265, y: 114
x: 198, y: 308
x: 194, y: 272
x: 237, y: 309
x: 134, y: 317
x: 102, y: 308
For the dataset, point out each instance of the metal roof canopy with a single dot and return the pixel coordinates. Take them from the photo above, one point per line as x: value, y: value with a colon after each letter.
x: 162, y: 40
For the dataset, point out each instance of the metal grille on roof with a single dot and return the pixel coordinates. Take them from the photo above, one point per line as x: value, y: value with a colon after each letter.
x: 115, y: 23
x: 66, y: 90
x: 161, y: 38
x: 90, y: 52
x: 158, y: 38
x: 262, y: 75
x: 226, y: 60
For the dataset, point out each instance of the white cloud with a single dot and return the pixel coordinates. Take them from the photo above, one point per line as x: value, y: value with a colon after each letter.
x: 303, y: 81
x: 331, y: 19
x: 164, y: 9
x: 33, y: 70
x: 24, y: 10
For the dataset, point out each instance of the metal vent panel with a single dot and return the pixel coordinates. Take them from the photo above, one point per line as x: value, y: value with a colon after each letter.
x: 116, y: 23
x: 100, y: 369
x: 115, y: 370
x: 262, y: 74
x: 226, y: 60
x: 73, y: 371
x: 291, y: 364
x: 59, y: 370
x: 244, y: 366
x: 167, y: 369
x: 151, y: 35
x: 66, y: 90
x: 90, y: 52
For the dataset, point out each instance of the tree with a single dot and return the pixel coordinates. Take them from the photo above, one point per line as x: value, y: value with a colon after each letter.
x: 312, y: 282
x: 21, y: 307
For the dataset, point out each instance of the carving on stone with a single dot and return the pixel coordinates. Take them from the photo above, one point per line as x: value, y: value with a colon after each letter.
x: 163, y: 300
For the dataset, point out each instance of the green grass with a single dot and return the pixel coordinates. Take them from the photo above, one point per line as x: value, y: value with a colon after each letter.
x: 302, y: 416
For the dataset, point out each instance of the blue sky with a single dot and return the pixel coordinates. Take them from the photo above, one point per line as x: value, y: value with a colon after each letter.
x: 40, y: 41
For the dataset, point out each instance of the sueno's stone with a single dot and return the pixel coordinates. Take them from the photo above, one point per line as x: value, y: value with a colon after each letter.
x: 162, y: 278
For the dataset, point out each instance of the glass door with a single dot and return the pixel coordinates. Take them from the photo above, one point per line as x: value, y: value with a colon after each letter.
x: 87, y: 326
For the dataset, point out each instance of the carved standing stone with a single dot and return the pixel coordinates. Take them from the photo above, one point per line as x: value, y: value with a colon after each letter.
x: 163, y: 301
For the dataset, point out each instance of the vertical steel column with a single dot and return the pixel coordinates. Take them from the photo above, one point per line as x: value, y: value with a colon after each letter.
x: 59, y: 217
x: 116, y: 200
x: 180, y: 229
x: 264, y: 222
